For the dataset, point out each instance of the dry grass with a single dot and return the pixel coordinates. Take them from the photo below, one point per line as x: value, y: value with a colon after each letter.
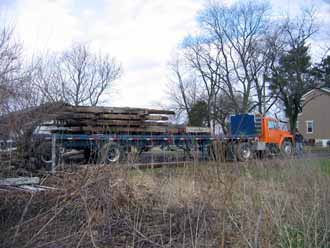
x: 272, y: 203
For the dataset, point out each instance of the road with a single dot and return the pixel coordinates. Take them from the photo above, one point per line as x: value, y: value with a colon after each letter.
x: 316, y: 155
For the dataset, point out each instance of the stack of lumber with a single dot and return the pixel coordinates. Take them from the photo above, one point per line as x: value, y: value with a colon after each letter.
x: 84, y: 119
x: 64, y: 118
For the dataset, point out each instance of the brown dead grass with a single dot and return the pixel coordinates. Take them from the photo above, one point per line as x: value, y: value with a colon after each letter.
x: 262, y: 204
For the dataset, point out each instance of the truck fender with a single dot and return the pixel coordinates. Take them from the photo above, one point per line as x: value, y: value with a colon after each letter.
x: 284, y: 138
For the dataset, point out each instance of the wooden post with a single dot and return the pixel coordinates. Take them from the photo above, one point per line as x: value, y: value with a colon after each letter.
x: 53, y: 153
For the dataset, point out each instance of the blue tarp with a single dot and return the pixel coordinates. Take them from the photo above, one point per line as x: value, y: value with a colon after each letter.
x: 243, y: 125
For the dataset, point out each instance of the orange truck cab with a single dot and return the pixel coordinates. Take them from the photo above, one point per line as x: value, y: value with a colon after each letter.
x: 255, y: 134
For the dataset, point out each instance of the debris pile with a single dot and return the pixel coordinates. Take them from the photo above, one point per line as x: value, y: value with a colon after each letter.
x: 101, y: 208
x: 27, y: 184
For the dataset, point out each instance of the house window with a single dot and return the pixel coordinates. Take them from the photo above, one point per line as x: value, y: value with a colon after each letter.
x: 310, y: 126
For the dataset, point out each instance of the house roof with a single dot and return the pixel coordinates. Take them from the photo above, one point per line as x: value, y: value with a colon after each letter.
x: 324, y: 89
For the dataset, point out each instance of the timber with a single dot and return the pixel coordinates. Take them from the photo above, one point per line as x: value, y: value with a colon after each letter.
x: 19, y: 181
x: 85, y: 119
x: 116, y: 110
x: 123, y: 130
x: 66, y: 119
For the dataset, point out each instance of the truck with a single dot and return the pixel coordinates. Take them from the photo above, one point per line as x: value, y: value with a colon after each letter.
x: 251, y: 136
x: 139, y: 130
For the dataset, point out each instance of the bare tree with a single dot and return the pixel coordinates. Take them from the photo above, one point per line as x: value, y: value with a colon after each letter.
x: 77, y: 76
x: 184, y: 90
x: 13, y: 73
x: 229, y: 60
x: 16, y: 92
x: 268, y: 48
x: 206, y: 65
x: 191, y: 90
x: 234, y: 32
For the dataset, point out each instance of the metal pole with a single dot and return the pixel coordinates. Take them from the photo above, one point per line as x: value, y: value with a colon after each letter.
x: 204, y: 150
x: 264, y: 100
x: 53, y: 153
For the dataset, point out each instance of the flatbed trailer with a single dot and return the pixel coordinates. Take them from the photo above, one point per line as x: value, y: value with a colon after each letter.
x: 111, y: 148
x: 250, y: 135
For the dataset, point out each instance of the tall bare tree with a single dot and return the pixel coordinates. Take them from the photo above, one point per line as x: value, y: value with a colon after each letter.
x: 13, y: 74
x: 206, y: 65
x: 268, y: 49
x: 77, y: 76
x: 16, y: 92
x: 235, y: 32
x: 230, y: 58
x: 183, y: 89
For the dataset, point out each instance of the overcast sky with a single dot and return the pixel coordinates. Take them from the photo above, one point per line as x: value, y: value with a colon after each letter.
x: 141, y: 34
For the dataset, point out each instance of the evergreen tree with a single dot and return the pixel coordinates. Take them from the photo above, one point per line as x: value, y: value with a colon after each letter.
x: 321, y: 72
x: 291, y: 79
x: 198, y: 114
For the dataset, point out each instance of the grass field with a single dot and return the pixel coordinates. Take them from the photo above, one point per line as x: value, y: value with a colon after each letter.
x: 274, y: 203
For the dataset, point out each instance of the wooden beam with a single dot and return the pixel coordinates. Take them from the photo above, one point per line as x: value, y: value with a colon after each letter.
x: 110, y: 130
x: 156, y: 118
x: 19, y: 181
x: 117, y: 110
x: 118, y: 117
x: 102, y: 123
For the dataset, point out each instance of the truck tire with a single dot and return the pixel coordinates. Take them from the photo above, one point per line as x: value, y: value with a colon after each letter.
x: 110, y: 153
x: 286, y: 148
x: 244, y: 151
x: 272, y: 150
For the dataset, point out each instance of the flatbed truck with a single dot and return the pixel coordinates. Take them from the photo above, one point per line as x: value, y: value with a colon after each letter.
x: 251, y: 135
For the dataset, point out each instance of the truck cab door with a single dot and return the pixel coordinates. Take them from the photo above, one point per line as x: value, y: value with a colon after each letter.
x: 273, y: 132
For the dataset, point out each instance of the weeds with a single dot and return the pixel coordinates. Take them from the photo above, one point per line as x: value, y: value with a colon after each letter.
x: 262, y: 204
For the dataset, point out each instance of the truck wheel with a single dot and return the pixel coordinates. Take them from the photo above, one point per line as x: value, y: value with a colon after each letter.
x: 110, y: 153
x: 244, y: 151
x: 272, y: 150
x: 286, y: 148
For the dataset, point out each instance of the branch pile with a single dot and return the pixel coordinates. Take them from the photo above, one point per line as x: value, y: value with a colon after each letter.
x: 99, y: 209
